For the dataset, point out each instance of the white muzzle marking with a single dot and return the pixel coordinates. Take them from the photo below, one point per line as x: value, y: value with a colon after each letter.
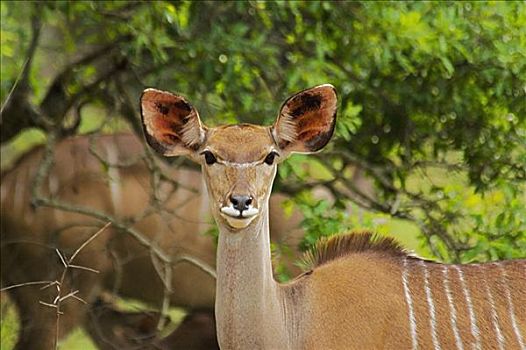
x: 237, y: 219
x: 245, y: 214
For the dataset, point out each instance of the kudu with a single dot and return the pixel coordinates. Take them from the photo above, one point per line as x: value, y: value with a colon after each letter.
x: 108, y: 175
x: 362, y: 292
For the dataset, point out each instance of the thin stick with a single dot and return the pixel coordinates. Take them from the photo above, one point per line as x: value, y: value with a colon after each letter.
x: 13, y: 88
x: 26, y: 284
x: 88, y: 242
x: 198, y: 263
x: 61, y: 257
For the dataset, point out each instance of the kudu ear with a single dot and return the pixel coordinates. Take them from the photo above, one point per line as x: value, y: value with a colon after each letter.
x: 171, y: 125
x: 306, y: 120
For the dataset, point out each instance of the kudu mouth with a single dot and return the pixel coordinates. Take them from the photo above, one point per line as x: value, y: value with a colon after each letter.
x: 239, y: 218
x: 240, y: 214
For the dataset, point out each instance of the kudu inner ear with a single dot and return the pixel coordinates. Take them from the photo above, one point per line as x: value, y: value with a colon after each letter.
x: 171, y: 125
x: 306, y: 120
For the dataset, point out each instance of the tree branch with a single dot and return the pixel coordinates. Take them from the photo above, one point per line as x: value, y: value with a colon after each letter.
x: 17, y: 102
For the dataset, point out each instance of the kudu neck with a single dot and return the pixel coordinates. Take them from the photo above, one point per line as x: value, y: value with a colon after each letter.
x: 248, y: 304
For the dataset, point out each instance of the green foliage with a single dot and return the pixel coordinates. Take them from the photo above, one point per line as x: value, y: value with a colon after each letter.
x: 429, y: 92
x: 494, y: 224
x: 320, y: 219
x: 9, y: 325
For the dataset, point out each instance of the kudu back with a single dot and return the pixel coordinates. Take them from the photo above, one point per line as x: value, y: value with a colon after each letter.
x: 121, y: 187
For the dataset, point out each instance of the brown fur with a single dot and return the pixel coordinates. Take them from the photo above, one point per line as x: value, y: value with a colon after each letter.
x: 227, y: 141
x: 360, y: 297
x: 335, y: 247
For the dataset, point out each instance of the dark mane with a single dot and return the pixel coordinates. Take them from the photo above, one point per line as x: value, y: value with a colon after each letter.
x: 331, y: 248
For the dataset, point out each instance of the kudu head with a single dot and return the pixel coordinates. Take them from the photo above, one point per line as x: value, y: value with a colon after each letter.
x: 239, y: 161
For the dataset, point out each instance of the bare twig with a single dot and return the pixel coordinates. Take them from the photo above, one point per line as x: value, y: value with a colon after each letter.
x: 166, y: 296
x: 197, y: 262
x: 49, y: 283
x: 83, y: 268
x: 60, y: 283
x: 13, y: 88
x: 158, y: 256
x: 40, y: 200
x: 59, y: 298
x: 104, y: 76
x: 88, y: 242
x: 61, y: 257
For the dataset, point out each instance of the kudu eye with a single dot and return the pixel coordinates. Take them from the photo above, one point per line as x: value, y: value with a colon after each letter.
x: 209, y: 157
x: 270, y: 157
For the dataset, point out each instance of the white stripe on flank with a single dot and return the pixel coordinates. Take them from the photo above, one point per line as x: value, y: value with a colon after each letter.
x: 452, y: 309
x: 431, y: 305
x: 474, y: 328
x: 18, y: 193
x: 114, y: 178
x: 3, y: 193
x: 504, y: 280
x: 494, y: 316
x: 409, y: 301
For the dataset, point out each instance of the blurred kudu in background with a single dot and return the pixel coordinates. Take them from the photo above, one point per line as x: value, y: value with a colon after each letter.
x: 155, y: 251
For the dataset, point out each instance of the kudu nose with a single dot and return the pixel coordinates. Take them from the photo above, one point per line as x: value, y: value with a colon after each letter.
x: 240, y: 202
